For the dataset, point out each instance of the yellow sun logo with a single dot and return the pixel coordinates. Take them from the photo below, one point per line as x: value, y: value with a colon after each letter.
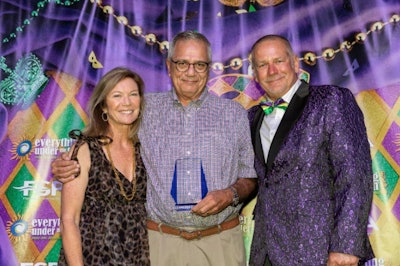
x: 22, y: 149
x: 18, y: 229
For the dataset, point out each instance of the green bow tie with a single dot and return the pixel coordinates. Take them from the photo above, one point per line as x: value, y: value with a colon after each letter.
x: 268, y: 107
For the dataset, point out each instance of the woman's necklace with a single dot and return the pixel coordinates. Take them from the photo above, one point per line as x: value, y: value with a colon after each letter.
x: 121, y: 187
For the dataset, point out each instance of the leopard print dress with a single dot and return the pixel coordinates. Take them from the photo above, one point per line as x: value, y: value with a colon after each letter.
x: 113, y: 229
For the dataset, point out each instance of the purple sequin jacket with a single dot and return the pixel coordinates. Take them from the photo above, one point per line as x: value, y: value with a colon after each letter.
x: 315, y: 191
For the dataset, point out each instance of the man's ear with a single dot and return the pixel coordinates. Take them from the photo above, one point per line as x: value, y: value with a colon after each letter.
x: 168, y: 63
x: 296, y: 64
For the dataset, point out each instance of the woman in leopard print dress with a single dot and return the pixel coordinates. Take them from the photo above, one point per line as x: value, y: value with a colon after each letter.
x: 103, y: 217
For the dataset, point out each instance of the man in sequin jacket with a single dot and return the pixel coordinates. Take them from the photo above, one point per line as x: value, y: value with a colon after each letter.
x: 314, y: 167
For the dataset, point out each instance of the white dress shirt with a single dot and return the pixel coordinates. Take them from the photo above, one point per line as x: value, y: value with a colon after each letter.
x: 271, y: 122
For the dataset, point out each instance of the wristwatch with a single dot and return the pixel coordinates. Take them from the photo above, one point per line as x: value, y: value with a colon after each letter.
x: 235, y: 201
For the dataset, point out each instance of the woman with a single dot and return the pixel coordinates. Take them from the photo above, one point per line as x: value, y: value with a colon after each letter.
x: 103, y: 217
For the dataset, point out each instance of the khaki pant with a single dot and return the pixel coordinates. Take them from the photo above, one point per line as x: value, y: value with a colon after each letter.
x: 223, y: 249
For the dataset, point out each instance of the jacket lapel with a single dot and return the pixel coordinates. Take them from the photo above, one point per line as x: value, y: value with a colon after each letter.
x: 255, y: 131
x: 293, y: 112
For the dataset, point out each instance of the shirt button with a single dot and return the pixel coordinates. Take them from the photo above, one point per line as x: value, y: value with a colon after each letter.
x: 188, y: 152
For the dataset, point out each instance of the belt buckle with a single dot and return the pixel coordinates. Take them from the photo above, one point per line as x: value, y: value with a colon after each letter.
x: 190, y: 235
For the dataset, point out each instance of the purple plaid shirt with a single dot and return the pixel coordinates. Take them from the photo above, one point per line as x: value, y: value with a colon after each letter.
x: 214, y: 129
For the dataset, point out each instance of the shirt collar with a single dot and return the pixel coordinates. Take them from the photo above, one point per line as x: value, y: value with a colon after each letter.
x: 196, y: 103
x: 289, y: 95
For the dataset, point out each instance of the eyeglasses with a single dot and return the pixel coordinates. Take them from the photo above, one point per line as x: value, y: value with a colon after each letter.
x: 183, y: 66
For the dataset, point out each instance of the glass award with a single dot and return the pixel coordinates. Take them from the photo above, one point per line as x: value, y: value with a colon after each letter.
x: 189, y: 184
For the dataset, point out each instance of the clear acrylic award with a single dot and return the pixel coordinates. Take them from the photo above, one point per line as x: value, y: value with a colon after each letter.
x: 189, y: 184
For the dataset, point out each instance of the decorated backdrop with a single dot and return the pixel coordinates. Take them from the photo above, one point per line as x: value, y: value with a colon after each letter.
x: 52, y: 53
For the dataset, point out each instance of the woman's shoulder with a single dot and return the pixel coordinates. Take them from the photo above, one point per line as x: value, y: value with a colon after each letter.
x: 84, y: 144
x: 80, y: 137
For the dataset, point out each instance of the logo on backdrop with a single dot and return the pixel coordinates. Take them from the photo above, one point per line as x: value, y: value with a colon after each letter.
x: 32, y: 188
x: 20, y: 229
x: 46, y: 147
x: 44, y: 228
x: 40, y: 147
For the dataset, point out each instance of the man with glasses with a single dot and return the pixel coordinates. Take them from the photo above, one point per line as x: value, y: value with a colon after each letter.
x: 198, y: 153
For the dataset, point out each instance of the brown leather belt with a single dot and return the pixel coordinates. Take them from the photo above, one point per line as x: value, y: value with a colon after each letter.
x: 190, y: 235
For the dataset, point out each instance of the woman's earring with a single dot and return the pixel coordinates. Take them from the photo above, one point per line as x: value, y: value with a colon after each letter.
x: 104, y: 116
